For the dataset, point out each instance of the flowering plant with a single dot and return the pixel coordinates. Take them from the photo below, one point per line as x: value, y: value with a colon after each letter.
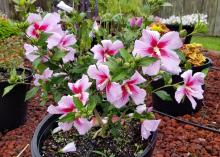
x: 192, y: 19
x: 109, y: 81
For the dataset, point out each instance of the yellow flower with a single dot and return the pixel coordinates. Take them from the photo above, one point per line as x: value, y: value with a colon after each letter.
x: 193, y: 53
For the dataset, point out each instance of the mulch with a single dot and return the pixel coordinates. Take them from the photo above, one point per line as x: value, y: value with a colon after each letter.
x: 175, y: 139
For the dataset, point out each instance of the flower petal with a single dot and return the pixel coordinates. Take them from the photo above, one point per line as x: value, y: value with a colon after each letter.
x: 141, y: 108
x: 70, y: 147
x: 138, y: 95
x: 98, y: 52
x: 123, y: 100
x: 152, y: 69
x: 82, y: 125
x: 113, y: 91
x: 137, y: 78
x: 32, y: 18
x: 148, y: 126
x: 70, y: 56
x: 179, y: 94
x: 170, y: 40
x: 192, y: 100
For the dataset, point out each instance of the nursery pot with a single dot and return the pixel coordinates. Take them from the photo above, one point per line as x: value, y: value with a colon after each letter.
x: 189, y: 29
x: 12, y: 106
x: 50, y: 122
x: 173, y: 107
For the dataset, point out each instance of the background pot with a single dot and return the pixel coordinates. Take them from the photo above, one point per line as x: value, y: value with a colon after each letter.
x: 12, y: 106
x: 50, y: 122
x: 189, y: 30
x: 172, y: 107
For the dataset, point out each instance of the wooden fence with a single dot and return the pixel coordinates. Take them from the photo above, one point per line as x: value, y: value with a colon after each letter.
x: 180, y: 7
x: 183, y: 7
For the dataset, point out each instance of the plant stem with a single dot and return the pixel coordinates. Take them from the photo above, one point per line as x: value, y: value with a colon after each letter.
x: 166, y: 86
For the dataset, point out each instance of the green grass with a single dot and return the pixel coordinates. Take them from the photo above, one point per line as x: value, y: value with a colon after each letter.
x: 210, y: 43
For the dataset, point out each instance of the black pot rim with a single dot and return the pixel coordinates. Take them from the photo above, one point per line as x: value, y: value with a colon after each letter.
x: 26, y: 78
x: 38, y: 134
x: 208, y: 61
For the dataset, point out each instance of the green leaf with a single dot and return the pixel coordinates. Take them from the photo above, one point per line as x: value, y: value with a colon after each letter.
x: 119, y: 76
x: 163, y: 95
x: 68, y: 118
x: 58, y: 55
x: 92, y: 103
x: 205, y: 71
x: 78, y: 103
x: 8, y: 89
x: 124, y: 53
x: 100, y: 153
x: 167, y: 78
x: 181, y: 56
x: 31, y: 93
x: 147, y: 61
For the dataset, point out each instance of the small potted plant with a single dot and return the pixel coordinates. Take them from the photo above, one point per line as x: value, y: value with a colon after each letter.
x: 188, y: 25
x: 192, y: 58
x: 99, y: 94
x: 14, y: 82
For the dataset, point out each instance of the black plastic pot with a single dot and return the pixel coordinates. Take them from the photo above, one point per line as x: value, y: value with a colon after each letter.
x: 189, y: 30
x: 12, y: 106
x: 172, y: 107
x: 50, y: 122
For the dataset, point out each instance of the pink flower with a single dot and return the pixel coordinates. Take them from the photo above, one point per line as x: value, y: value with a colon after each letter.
x: 31, y: 52
x: 162, y: 48
x: 100, y: 73
x: 148, y: 126
x: 130, y: 89
x: 61, y: 39
x: 64, y: 42
x: 79, y: 88
x: 136, y: 21
x: 101, y: 53
x: 70, y: 147
x: 47, y: 74
x: 141, y: 108
x: 65, y: 105
x: 192, y: 87
x: 48, y: 24
x: 82, y: 125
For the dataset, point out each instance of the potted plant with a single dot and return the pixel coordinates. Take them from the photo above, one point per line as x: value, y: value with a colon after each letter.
x: 14, y: 82
x: 188, y: 25
x: 192, y: 58
x: 97, y: 92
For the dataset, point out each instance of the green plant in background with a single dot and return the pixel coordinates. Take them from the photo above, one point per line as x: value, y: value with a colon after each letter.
x: 7, y: 27
x: 11, y: 55
x: 23, y: 7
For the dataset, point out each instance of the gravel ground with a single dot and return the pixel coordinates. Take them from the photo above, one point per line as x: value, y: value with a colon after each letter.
x: 175, y: 139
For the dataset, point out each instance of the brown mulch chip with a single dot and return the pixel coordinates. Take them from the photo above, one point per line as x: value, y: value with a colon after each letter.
x: 175, y: 139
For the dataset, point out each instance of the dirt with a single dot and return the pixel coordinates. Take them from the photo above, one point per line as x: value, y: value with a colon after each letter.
x: 175, y: 139
x: 127, y: 142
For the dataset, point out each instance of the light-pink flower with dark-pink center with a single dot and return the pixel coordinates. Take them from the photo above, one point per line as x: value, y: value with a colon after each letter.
x: 79, y: 88
x: 107, y: 49
x: 192, y: 87
x: 46, y: 75
x: 63, y: 41
x: 48, y: 24
x: 147, y: 127
x: 65, y: 105
x: 130, y: 89
x: 162, y: 48
x: 31, y: 52
x: 100, y: 73
x: 136, y: 21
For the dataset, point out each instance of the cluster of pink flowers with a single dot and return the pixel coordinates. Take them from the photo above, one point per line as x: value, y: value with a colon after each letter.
x: 151, y: 44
